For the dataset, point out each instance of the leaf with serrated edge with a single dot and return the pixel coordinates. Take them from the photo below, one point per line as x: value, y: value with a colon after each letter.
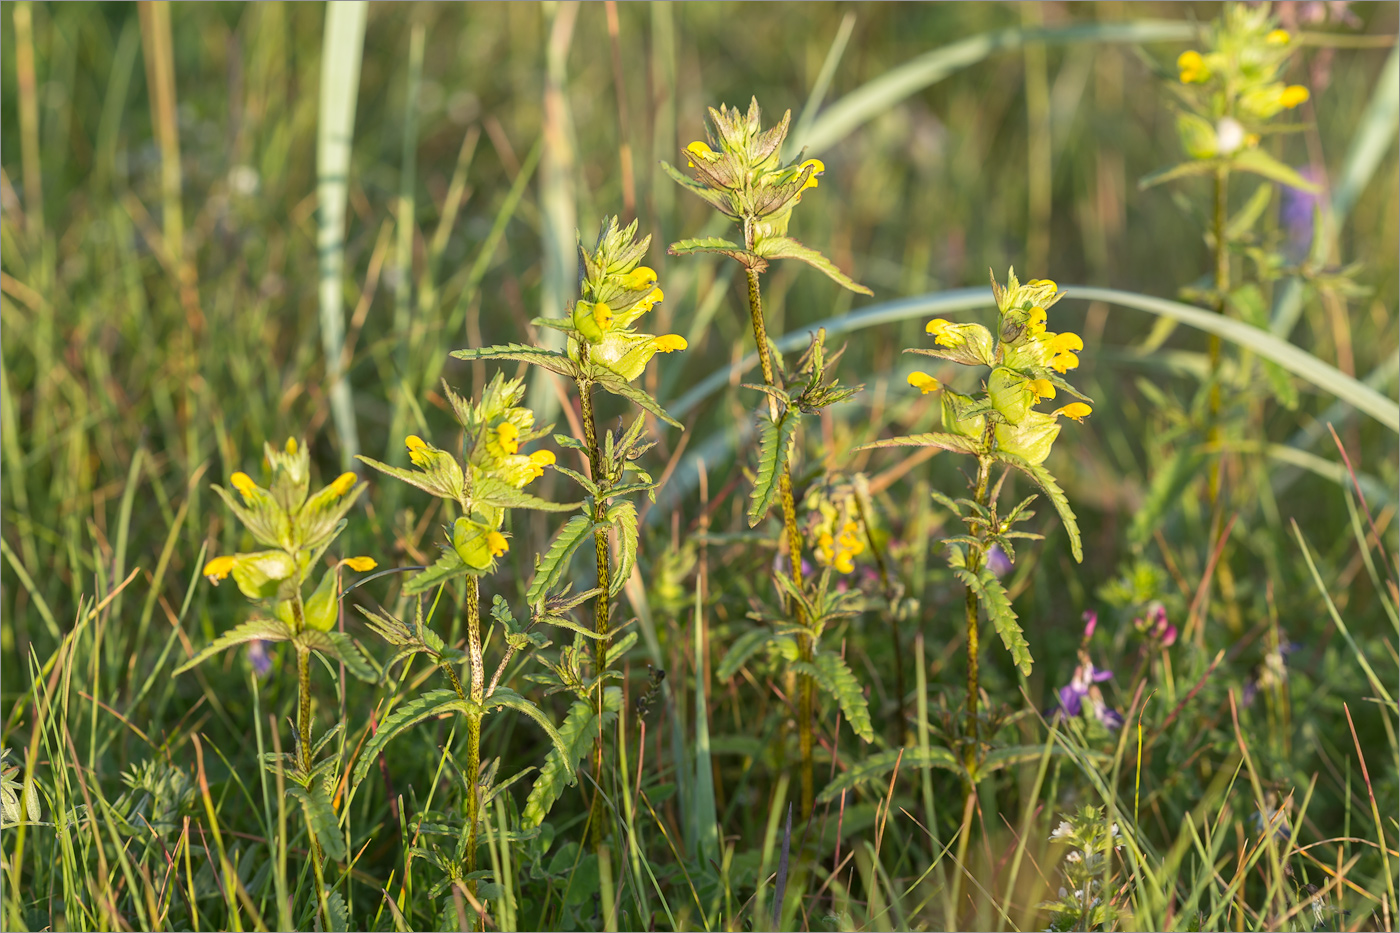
x: 504, y: 696
x: 548, y: 359
x: 625, y: 389
x: 774, y: 448
x: 1057, y: 497
x: 744, y: 648
x: 320, y: 817
x: 1004, y: 618
x: 449, y: 566
x: 577, y: 733
x: 713, y: 244
x: 555, y: 561
x: 882, y: 763
x: 781, y: 247
x: 836, y: 678
x: 623, y: 516
x: 954, y: 442
x: 432, y: 703
x: 252, y: 630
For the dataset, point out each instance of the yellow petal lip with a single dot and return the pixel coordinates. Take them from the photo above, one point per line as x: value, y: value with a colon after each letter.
x: 924, y: 382
x: 1041, y: 388
x: 639, y: 278
x: 668, y: 343
x: 818, y: 167
x: 414, y: 442
x: 701, y: 149
x: 1076, y: 410
x: 543, y: 457
x: 1066, y: 341
x: 360, y: 564
x: 1064, y: 362
x: 218, y: 568
x: 244, y: 484
x: 602, y: 315
x: 508, y: 435
x: 937, y: 326
x: 1293, y: 95
x: 343, y: 483
x: 496, y: 543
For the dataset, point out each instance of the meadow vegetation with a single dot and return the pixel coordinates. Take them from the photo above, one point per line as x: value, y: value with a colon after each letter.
x: 699, y: 466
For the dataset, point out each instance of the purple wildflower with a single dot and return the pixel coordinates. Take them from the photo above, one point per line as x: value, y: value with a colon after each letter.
x: 1156, y: 626
x: 1296, y: 214
x: 1091, y: 622
x: 997, y: 561
x: 259, y: 658
x: 1082, y: 687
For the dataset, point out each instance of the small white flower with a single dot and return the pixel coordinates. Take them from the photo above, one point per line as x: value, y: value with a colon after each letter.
x: 1229, y: 135
x: 1064, y: 829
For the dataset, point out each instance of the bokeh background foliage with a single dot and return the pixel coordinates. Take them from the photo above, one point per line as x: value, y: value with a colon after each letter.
x: 161, y: 319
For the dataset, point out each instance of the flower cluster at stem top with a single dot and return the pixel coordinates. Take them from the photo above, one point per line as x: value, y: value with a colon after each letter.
x: 295, y: 529
x: 1027, y: 363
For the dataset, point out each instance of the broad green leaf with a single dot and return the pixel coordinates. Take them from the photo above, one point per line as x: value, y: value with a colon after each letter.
x: 1261, y: 163
x: 882, y: 763
x: 744, y: 648
x: 781, y: 247
x: 577, y: 736
x: 442, y: 476
x: 320, y: 817
x: 623, y: 516
x: 954, y: 442
x: 504, y: 696
x: 639, y: 397
x: 714, y: 244
x: 774, y: 448
x: 490, y: 491
x: 1004, y: 618
x: 1057, y: 496
x: 448, y: 566
x: 432, y: 703
x: 555, y: 561
x: 552, y: 360
x: 339, y: 912
x: 252, y: 630
x: 833, y: 676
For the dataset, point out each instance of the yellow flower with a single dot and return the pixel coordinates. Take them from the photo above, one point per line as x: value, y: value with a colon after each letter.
x: 218, y: 568
x: 508, y: 434
x: 360, y: 564
x: 602, y: 315
x: 639, y: 278
x: 1053, y: 286
x: 1041, y: 388
x: 1035, y: 323
x: 244, y: 484
x: 702, y: 150
x: 670, y: 342
x: 1061, y: 343
x: 343, y: 483
x: 1076, y: 410
x: 496, y: 543
x: 1064, y: 362
x: 414, y: 442
x: 940, y: 329
x: 538, y: 461
x: 924, y: 382
x: 818, y: 167
x: 1293, y: 95
x: 1192, y: 67
x: 291, y: 445
x: 1278, y: 37
x: 417, y: 449
x: 646, y: 304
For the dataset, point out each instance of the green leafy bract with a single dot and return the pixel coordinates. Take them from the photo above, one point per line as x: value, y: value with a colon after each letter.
x: 781, y: 247
x: 774, y: 449
x: 1045, y: 481
x: 320, y: 817
x: 555, y: 561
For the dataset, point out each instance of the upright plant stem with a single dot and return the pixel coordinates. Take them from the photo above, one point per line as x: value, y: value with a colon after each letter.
x: 1222, y: 288
x: 600, y: 625
x: 974, y: 564
x: 473, y: 720
x: 806, y: 690
x: 304, y: 706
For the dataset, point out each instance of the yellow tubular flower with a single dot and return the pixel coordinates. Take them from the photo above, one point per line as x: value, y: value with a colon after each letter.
x: 244, y: 484
x: 1061, y: 343
x: 218, y: 568
x: 343, y: 483
x: 508, y: 435
x: 1278, y: 37
x: 1053, y: 286
x: 1035, y: 322
x: 702, y: 150
x: 939, y: 328
x: 818, y: 167
x: 1192, y: 67
x: 924, y: 382
x: 360, y: 564
x: 1064, y: 362
x: 668, y: 343
x: 1293, y: 95
x: 291, y: 445
x: 1076, y: 410
x: 414, y: 442
x: 602, y: 315
x: 496, y: 543
x: 639, y: 278
x: 1041, y: 388
x: 543, y: 457
x: 646, y: 304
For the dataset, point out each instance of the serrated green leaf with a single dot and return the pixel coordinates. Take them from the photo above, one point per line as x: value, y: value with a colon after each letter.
x: 744, y: 648
x: 339, y: 647
x: 504, y: 696
x: 882, y: 763
x: 252, y: 630
x: 442, y: 477
x: 999, y: 610
x: 449, y: 566
x: 432, y: 703
x: 555, y: 561
x: 623, y: 516
x: 490, y: 491
x: 620, y: 647
x: 781, y: 247
x: 1261, y: 163
x: 551, y: 360
x: 774, y: 449
x: 714, y: 244
x: 954, y: 442
x: 621, y: 387
x: 320, y: 817
x: 339, y: 912
x: 1057, y: 497
x: 832, y: 675
x: 577, y: 734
